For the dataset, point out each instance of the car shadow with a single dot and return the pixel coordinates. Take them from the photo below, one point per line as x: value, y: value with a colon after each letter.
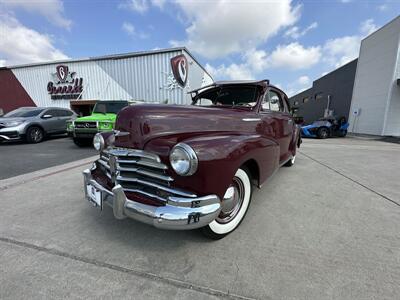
x: 22, y: 142
x: 135, y: 234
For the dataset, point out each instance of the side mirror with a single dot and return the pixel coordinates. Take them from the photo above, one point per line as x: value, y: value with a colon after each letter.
x: 47, y: 116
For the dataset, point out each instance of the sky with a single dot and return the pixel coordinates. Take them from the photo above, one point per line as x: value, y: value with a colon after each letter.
x: 289, y: 42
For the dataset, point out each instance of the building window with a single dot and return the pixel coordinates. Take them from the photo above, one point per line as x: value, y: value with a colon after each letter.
x: 296, y: 103
x: 306, y: 99
x: 318, y: 96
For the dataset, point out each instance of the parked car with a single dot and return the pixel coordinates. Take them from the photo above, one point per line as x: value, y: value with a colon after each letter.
x: 326, y: 127
x: 34, y: 123
x: 186, y: 167
x: 103, y: 116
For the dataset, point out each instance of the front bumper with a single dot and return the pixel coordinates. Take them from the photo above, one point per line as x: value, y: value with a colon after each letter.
x: 84, y: 133
x: 11, y: 133
x: 179, y: 213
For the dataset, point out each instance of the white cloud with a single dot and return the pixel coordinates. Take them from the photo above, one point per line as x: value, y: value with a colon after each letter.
x: 303, y: 80
x: 295, y: 32
x: 295, y: 56
x: 52, y: 10
x: 129, y: 29
x: 339, y: 51
x: 257, y: 60
x: 20, y: 44
x: 383, y: 7
x: 222, y: 28
x: 141, y: 6
x: 300, y: 84
x: 367, y: 27
x: 232, y: 72
x: 342, y: 50
x: 2, y: 62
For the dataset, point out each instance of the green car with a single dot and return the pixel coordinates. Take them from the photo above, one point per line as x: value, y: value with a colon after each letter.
x: 103, y: 117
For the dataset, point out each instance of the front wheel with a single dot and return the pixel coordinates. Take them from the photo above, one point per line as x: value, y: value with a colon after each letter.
x: 34, y: 135
x: 234, y: 207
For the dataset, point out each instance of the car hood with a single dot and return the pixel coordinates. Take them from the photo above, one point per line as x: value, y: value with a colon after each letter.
x: 146, y: 122
x: 97, y: 117
x: 18, y: 119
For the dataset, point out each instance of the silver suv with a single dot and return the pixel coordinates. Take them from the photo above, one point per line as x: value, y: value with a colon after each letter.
x: 34, y: 123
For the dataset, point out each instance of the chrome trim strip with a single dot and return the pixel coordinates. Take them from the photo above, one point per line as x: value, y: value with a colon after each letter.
x: 158, y: 186
x: 144, y: 163
x: 145, y: 173
x: 5, y: 137
x: 104, y: 164
x: 145, y: 194
x: 132, y: 152
x: 121, y: 133
x: 251, y: 119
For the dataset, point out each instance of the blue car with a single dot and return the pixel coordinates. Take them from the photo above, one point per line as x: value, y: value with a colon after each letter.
x: 326, y: 127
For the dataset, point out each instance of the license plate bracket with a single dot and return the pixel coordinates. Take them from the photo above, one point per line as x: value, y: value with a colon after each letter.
x: 94, y: 196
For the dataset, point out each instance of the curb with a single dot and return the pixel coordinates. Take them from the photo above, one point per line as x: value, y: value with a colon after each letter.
x: 36, y: 175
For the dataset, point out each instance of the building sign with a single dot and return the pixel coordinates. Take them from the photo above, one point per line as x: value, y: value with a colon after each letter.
x: 180, y: 69
x: 65, y: 84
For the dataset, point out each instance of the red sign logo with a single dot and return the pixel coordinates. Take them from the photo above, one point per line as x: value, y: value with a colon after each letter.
x: 62, y: 72
x: 180, y: 69
x: 65, y: 85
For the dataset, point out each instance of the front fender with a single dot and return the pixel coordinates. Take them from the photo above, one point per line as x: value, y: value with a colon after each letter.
x: 220, y: 156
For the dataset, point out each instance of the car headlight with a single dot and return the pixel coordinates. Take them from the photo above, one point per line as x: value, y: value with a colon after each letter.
x: 98, y: 142
x: 105, y: 125
x: 13, y: 123
x: 183, y: 159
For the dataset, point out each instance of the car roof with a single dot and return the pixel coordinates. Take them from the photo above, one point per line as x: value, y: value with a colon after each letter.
x: 232, y: 82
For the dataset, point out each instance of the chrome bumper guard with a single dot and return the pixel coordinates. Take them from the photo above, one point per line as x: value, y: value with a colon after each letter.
x: 179, y: 213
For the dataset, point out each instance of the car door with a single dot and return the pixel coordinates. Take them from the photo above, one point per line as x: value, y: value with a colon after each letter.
x: 50, y: 120
x: 279, y: 119
x: 65, y: 115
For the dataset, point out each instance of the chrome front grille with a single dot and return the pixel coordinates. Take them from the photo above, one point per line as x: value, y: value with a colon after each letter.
x: 140, y: 172
x: 86, y: 124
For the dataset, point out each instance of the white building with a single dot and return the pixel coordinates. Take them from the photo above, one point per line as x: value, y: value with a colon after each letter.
x: 161, y: 76
x: 375, y: 107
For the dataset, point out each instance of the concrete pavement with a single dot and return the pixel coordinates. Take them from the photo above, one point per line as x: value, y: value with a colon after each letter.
x: 17, y: 158
x: 326, y: 228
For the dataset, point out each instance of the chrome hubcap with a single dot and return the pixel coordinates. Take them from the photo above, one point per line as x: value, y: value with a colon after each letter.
x: 232, y: 202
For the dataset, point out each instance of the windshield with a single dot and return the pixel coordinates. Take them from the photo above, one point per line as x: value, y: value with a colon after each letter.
x: 229, y: 96
x: 24, y: 113
x: 109, y: 107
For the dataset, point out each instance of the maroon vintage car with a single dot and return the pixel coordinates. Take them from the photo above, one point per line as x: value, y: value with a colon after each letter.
x: 186, y: 167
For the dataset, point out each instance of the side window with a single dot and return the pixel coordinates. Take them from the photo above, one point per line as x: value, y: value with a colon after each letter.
x: 275, y: 101
x: 265, y: 102
x: 52, y: 112
x: 65, y: 113
x: 204, y: 102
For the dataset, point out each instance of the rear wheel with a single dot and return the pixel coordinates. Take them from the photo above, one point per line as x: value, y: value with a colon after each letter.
x: 323, y: 133
x: 34, y: 134
x: 82, y: 142
x: 234, y: 207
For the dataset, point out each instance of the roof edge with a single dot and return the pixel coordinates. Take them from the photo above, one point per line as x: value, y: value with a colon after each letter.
x: 104, y: 57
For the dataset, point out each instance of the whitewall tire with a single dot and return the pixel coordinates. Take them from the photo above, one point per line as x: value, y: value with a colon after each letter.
x: 234, y: 206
